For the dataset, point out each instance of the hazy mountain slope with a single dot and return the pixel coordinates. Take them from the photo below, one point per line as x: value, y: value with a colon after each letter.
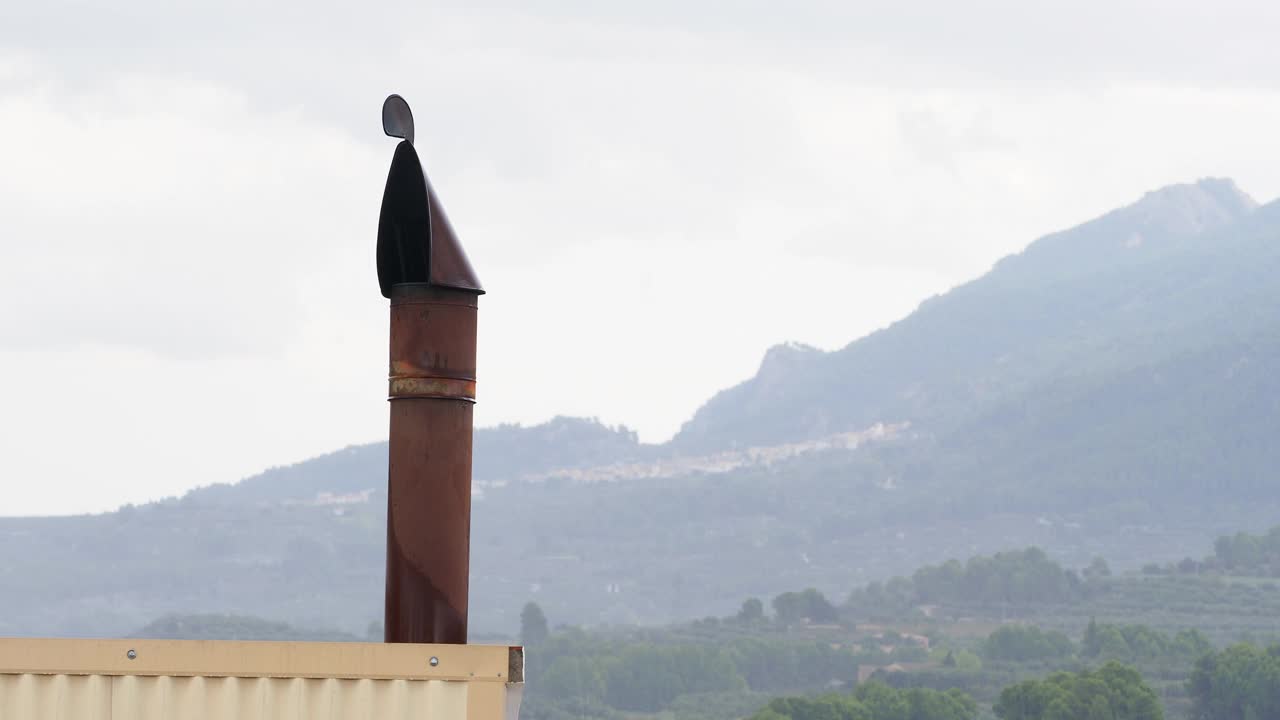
x: 1172, y: 395
x: 644, y: 552
x: 1034, y: 312
x: 500, y: 453
x: 1091, y: 395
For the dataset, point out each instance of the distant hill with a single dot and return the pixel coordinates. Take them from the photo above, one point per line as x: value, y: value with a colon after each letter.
x: 1080, y: 300
x: 1112, y: 390
x: 500, y: 453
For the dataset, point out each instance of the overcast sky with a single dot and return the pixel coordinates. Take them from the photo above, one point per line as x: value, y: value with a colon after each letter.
x: 653, y: 194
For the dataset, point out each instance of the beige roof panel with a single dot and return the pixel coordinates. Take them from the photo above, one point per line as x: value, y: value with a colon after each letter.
x: 213, y: 680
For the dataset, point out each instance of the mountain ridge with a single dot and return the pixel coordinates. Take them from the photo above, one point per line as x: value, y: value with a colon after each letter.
x: 993, y: 304
x: 1158, y: 218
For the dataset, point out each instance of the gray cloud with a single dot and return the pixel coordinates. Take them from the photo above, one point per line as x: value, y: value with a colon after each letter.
x: 660, y: 190
x: 279, y: 47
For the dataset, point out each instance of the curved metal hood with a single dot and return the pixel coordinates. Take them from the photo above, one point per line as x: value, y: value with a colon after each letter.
x: 416, y: 243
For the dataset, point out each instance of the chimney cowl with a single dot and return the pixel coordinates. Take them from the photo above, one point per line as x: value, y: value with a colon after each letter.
x: 416, y: 242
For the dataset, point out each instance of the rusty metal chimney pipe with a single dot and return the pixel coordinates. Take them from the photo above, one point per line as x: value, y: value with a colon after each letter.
x: 433, y: 290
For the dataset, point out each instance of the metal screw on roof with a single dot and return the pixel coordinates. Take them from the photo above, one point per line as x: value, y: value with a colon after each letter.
x: 132, y: 654
x: 435, y: 661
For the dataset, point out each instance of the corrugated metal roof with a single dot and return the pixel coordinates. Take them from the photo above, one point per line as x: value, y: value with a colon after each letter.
x: 110, y: 680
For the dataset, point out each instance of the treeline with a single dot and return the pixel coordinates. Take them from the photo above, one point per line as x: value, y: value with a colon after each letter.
x: 1011, y: 653
x: 1132, y: 643
x: 1014, y: 579
x: 582, y: 674
x: 1111, y: 692
x: 1252, y: 554
x: 1241, y: 682
x: 1240, y: 554
x: 874, y: 701
x: 729, y: 667
x: 1028, y: 584
x: 644, y: 678
x: 1141, y: 644
x: 1026, y: 643
x: 598, y: 675
x: 1020, y: 577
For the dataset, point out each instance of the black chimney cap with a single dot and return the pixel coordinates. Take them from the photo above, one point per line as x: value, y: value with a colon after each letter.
x: 416, y: 243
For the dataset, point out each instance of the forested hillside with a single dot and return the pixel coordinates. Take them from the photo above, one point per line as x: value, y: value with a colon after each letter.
x: 1015, y: 636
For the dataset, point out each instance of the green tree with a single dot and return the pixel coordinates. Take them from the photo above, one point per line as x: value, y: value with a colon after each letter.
x: 1191, y: 644
x: 533, y: 625
x: 646, y: 678
x: 774, y: 665
x: 957, y: 659
x: 1025, y: 643
x: 752, y: 612
x: 1091, y: 644
x: 1242, y: 681
x: 1019, y: 578
x: 573, y: 677
x: 883, y: 702
x: 1112, y: 692
x: 794, y: 607
x: 1111, y: 644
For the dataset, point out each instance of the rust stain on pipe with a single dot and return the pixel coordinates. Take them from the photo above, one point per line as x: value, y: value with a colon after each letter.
x: 432, y: 388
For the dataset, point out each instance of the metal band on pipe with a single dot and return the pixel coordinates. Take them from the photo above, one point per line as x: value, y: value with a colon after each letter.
x: 431, y: 387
